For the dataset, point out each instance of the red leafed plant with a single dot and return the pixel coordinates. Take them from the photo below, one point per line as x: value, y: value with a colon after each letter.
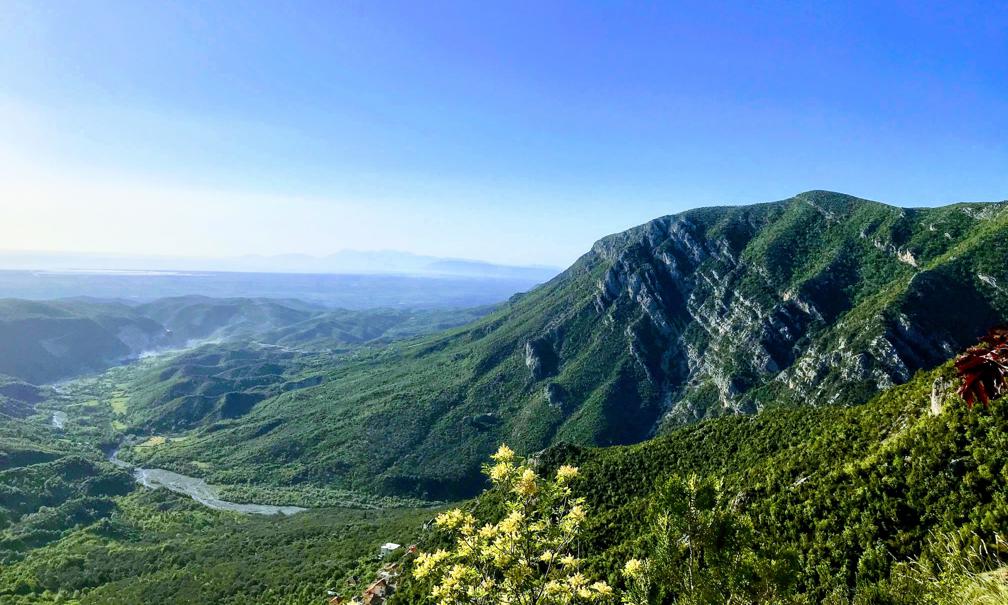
x: 983, y: 368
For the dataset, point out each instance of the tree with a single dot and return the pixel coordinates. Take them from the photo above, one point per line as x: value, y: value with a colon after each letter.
x: 703, y: 550
x: 528, y: 557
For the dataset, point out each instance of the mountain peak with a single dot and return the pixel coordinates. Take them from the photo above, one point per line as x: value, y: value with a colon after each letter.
x: 820, y: 299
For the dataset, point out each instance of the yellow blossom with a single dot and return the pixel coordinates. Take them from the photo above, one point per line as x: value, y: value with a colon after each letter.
x: 526, y: 484
x: 602, y: 589
x: 487, y: 531
x: 512, y: 523
x: 449, y: 519
x: 459, y: 572
x: 504, y: 454
x: 576, y: 516
x: 554, y: 588
x: 566, y: 473
x: 538, y: 526
x: 500, y: 563
x: 425, y: 562
x: 633, y: 569
x: 463, y: 548
x: 501, y: 558
x: 499, y: 472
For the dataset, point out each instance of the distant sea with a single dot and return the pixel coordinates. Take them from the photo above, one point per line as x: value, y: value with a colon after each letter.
x: 331, y: 290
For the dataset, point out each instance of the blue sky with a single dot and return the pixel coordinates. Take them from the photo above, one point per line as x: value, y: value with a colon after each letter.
x: 513, y: 132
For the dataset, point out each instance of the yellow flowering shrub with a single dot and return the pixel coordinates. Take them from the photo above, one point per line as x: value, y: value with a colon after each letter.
x: 637, y: 576
x: 529, y: 557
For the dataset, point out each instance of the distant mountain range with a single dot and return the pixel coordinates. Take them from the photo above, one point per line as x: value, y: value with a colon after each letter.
x: 382, y: 262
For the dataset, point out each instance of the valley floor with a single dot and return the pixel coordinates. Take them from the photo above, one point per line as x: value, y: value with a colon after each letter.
x: 78, y: 525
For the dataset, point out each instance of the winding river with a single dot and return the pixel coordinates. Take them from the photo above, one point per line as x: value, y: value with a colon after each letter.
x: 197, y: 489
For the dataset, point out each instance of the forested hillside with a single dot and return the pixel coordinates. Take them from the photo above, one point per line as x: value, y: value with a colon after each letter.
x: 816, y: 300
x: 861, y: 504
x: 786, y: 366
x: 43, y: 341
x: 899, y: 500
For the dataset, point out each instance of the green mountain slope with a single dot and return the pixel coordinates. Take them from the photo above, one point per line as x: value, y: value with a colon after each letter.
x: 44, y: 341
x: 853, y: 490
x: 822, y: 298
x: 225, y: 380
x: 200, y: 317
x: 849, y: 495
x: 852, y: 493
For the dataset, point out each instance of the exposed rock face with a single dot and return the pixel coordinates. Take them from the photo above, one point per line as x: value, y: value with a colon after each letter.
x: 703, y: 313
x: 939, y: 391
x: 554, y: 394
x: 695, y: 317
x: 540, y: 358
x: 990, y: 281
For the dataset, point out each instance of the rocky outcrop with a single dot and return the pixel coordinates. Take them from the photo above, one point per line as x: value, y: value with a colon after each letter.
x: 554, y: 395
x: 698, y: 311
x: 901, y: 254
x: 540, y: 358
x: 940, y: 389
x: 694, y: 323
x: 990, y: 281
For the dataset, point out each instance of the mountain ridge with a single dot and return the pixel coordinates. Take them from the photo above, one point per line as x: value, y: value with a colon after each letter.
x: 818, y: 299
x: 44, y: 341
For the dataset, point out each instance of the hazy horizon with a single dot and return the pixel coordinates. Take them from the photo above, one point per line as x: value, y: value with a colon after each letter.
x: 359, y: 261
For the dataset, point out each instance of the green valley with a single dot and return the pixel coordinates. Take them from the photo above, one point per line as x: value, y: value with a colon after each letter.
x: 503, y: 303
x: 795, y: 354
x: 820, y: 299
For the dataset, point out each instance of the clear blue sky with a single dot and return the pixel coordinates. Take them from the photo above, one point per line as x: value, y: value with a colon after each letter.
x: 513, y: 132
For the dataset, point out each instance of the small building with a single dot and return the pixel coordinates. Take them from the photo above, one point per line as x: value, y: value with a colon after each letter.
x: 376, y: 593
x: 388, y: 548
